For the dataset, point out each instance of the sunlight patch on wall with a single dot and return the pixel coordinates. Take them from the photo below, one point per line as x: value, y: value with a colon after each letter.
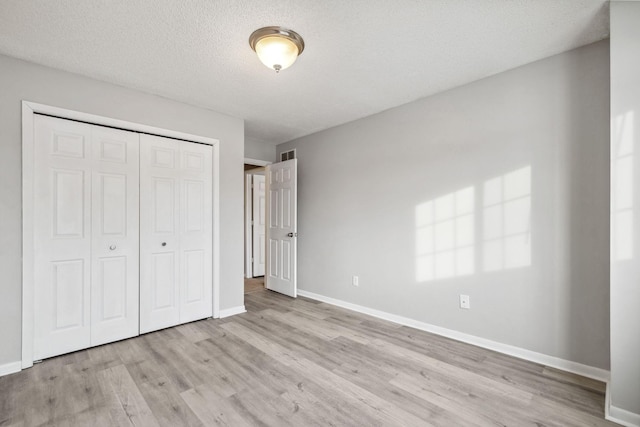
x: 445, y: 236
x: 622, y: 187
x: 507, y: 221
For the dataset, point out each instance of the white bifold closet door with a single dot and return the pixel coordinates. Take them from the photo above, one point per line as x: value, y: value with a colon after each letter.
x: 175, y: 232
x: 86, y: 235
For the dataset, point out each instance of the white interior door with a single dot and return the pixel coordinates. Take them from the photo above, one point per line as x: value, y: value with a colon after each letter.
x: 259, y: 225
x: 281, y: 219
x: 159, y: 233
x: 196, y: 232
x: 114, y: 235
x: 86, y: 235
x: 175, y: 232
x: 62, y: 230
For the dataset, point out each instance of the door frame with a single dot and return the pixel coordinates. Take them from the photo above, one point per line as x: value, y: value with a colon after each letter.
x: 29, y: 109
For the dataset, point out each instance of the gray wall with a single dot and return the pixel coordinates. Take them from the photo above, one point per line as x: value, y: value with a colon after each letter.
x: 625, y: 207
x: 360, y: 185
x: 24, y: 81
x: 259, y: 150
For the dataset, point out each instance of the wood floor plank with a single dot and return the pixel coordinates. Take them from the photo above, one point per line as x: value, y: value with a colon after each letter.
x: 263, y: 408
x: 390, y: 414
x: 325, y: 330
x: 193, y: 331
x: 211, y: 409
x: 126, y: 404
x: 423, y: 342
x: 295, y: 340
x: 162, y: 348
x: 11, y: 412
x: 304, y: 306
x: 167, y: 406
x: 487, y: 385
x: 452, y: 401
x: 295, y: 388
x: 246, y: 366
x: 296, y: 362
x: 369, y: 402
x: 145, y: 371
x: 561, y: 415
x: 262, y: 343
x: 369, y: 377
x: 568, y: 377
x: 502, y: 368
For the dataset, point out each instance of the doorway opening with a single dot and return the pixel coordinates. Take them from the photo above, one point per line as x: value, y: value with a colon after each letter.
x: 271, y: 225
x: 252, y: 285
x: 254, y: 225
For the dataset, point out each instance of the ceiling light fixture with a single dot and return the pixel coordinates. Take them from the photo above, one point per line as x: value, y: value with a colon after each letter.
x: 277, y: 47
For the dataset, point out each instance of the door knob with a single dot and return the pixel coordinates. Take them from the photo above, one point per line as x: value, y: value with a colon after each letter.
x: 112, y: 247
x: 291, y: 234
x: 164, y: 243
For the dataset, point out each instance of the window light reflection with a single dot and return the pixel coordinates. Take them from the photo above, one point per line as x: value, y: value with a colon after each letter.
x: 507, y: 221
x: 622, y: 188
x: 445, y: 236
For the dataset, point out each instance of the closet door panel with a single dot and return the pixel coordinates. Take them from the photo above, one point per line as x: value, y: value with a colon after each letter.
x: 159, y: 233
x: 115, y: 235
x: 196, y: 228
x: 62, y: 243
x: 176, y: 232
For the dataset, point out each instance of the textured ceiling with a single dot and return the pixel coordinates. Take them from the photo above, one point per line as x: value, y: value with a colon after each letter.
x: 361, y: 56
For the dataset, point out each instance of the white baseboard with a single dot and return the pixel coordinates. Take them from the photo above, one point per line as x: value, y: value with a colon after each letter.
x: 619, y: 415
x: 10, y: 368
x: 521, y: 353
x: 232, y: 311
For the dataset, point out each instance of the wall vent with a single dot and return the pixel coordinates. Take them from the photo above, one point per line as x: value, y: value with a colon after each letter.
x: 288, y: 155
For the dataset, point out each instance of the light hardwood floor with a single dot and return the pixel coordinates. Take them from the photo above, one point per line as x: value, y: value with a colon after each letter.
x: 300, y: 363
x: 255, y: 284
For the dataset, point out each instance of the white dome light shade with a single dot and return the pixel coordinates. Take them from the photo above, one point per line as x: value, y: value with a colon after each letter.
x: 277, y: 52
x: 277, y: 47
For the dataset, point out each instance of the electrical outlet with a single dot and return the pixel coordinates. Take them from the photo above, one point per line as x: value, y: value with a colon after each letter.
x: 465, y: 301
x: 355, y: 281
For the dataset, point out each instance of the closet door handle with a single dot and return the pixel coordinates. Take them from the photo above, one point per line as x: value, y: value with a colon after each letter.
x: 164, y: 243
x: 112, y: 247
